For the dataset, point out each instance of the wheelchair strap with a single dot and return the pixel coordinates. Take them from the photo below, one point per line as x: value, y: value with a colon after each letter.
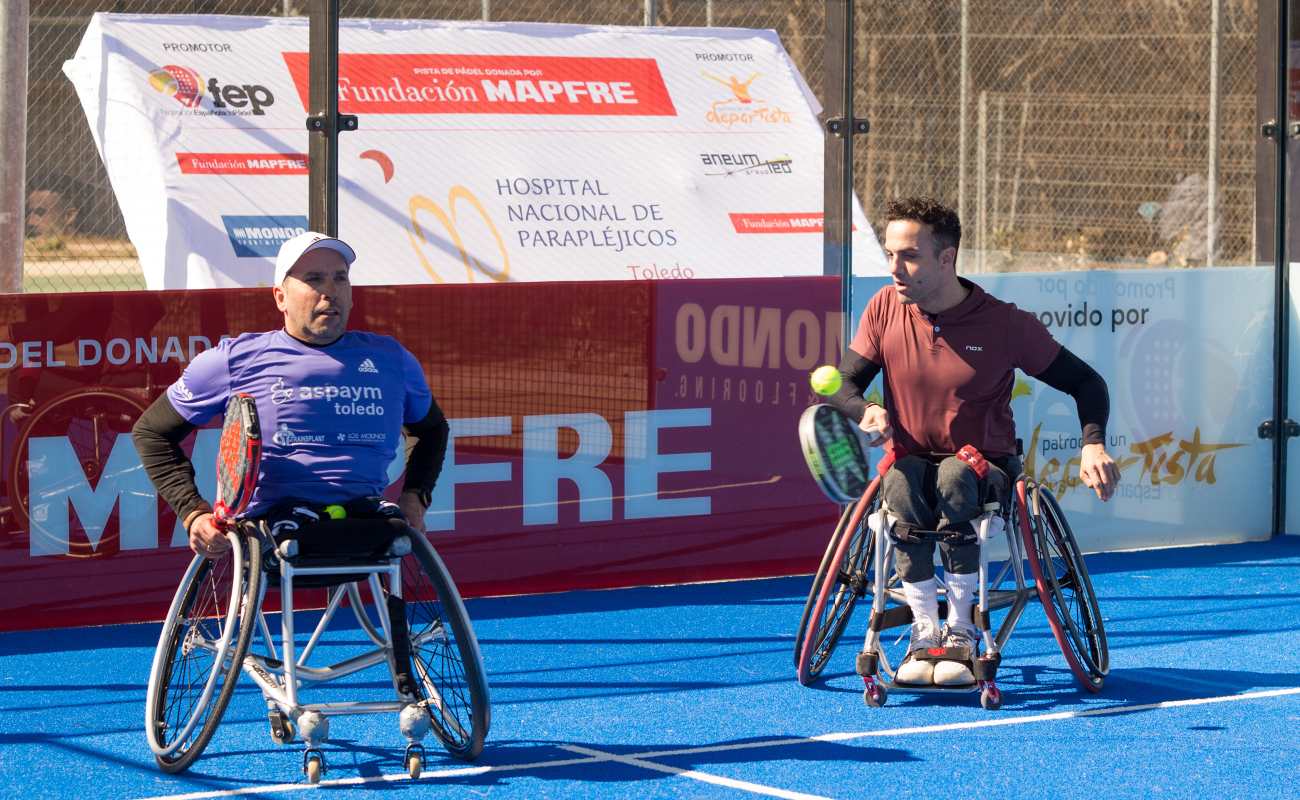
x: 962, y: 654
x: 961, y: 533
x: 402, y: 672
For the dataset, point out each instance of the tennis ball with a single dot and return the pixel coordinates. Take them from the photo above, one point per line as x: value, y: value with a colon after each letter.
x: 336, y: 511
x: 826, y: 380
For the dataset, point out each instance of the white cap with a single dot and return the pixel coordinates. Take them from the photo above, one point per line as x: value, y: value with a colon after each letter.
x: 304, y: 243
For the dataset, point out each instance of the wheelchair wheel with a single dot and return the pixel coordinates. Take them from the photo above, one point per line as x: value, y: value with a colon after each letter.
x: 1064, y: 588
x: 844, y: 577
x: 445, y: 653
x: 202, y: 646
x: 1071, y: 583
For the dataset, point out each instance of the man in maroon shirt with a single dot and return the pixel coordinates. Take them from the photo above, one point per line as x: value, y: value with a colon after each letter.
x: 949, y: 351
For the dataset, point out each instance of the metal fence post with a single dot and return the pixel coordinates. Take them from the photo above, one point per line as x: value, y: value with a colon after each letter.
x: 13, y: 141
x: 323, y: 119
x: 837, y: 217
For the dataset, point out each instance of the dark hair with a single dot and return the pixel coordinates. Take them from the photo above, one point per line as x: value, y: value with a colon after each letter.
x: 943, y: 221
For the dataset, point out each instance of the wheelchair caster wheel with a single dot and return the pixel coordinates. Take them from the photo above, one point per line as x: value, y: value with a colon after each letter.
x: 281, y: 727
x: 991, y: 698
x: 875, y: 695
x: 414, y: 761
x: 313, y: 766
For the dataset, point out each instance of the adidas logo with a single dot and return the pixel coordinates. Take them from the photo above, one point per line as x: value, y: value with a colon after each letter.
x: 367, y: 366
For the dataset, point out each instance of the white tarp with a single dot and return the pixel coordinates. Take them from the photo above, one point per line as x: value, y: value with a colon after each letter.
x: 485, y: 151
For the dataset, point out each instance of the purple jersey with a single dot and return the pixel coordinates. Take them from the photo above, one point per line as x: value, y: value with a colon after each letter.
x: 331, y: 416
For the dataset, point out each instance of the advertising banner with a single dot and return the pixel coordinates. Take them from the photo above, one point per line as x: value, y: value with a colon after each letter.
x: 1187, y: 358
x: 487, y: 152
x: 603, y: 434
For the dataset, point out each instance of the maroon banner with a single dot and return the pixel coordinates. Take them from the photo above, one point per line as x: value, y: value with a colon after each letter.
x: 603, y: 434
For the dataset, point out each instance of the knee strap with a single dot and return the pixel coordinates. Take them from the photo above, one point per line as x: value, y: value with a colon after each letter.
x: 961, y: 533
x: 901, y: 531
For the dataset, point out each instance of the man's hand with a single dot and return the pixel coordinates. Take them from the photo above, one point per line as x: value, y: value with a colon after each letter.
x: 206, y: 537
x: 875, y: 423
x: 1098, y: 471
x: 413, y: 509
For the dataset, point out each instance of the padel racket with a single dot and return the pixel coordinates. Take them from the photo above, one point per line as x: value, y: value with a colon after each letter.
x: 834, y: 454
x: 238, y: 458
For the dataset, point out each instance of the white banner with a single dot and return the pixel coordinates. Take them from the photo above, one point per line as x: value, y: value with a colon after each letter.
x: 1188, y: 359
x: 486, y: 152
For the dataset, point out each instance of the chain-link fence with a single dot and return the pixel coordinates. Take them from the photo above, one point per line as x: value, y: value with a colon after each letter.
x: 1088, y: 133
x: 1070, y: 135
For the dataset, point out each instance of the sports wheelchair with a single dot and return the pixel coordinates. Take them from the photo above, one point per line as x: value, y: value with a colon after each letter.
x: 858, y: 564
x: 406, y: 606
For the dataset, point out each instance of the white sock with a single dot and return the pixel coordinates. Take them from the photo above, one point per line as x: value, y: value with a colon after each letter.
x: 963, y: 591
x: 923, y: 599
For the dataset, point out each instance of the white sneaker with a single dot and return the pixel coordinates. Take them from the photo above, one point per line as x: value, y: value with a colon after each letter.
x: 956, y: 673
x: 914, y: 671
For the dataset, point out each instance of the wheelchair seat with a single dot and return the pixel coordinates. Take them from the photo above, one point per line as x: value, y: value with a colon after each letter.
x: 333, y: 543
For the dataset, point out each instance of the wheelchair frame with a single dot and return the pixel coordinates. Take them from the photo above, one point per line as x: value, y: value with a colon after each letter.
x: 859, y: 551
x: 456, y: 709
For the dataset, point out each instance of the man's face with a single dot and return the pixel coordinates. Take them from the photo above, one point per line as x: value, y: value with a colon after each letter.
x: 921, y: 271
x: 316, y: 297
x: 48, y: 214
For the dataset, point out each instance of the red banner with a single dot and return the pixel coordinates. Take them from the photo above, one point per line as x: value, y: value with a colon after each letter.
x: 776, y: 223
x: 242, y: 163
x: 428, y: 83
x: 659, y: 419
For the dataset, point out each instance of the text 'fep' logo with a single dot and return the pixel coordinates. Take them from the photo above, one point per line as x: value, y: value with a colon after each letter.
x: 186, y: 87
x: 442, y: 83
x: 742, y: 107
x: 260, y: 236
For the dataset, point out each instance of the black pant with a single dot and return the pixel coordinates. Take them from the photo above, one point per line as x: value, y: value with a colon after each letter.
x: 945, y: 495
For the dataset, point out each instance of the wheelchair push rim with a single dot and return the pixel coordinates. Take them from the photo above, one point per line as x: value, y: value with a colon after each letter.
x: 177, y: 733
x: 445, y: 655
x: 843, y: 578
x: 1073, y: 589
x: 1051, y: 587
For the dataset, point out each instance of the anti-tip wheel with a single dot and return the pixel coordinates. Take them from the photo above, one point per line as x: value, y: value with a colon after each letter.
x: 875, y: 696
x: 414, y: 765
x: 991, y: 699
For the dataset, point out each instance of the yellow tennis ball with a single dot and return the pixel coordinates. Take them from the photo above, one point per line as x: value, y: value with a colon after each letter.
x: 336, y: 511
x: 826, y: 380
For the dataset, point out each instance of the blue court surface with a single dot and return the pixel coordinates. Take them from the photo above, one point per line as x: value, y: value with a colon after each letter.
x: 690, y: 692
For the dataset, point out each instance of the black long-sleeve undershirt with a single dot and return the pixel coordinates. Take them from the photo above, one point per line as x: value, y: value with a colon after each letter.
x: 160, y: 430
x: 1067, y: 373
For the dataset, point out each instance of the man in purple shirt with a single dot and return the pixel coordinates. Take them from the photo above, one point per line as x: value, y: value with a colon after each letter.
x: 949, y: 352
x: 332, y: 404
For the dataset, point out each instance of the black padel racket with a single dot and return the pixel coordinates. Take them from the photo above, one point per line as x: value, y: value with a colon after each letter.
x: 833, y: 450
x: 238, y: 457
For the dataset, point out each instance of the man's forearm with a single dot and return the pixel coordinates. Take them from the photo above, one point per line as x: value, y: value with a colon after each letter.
x: 425, y: 457
x: 1068, y: 373
x: 157, y: 436
x: 858, y: 373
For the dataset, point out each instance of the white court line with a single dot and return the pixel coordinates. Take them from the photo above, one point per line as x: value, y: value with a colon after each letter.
x: 717, y: 780
x: 722, y: 748
x: 456, y: 772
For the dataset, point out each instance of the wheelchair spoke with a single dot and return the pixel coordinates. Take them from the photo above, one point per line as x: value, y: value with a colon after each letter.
x: 437, y: 661
x: 201, y: 647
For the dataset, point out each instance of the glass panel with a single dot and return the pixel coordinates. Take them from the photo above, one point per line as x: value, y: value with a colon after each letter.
x: 1102, y: 157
